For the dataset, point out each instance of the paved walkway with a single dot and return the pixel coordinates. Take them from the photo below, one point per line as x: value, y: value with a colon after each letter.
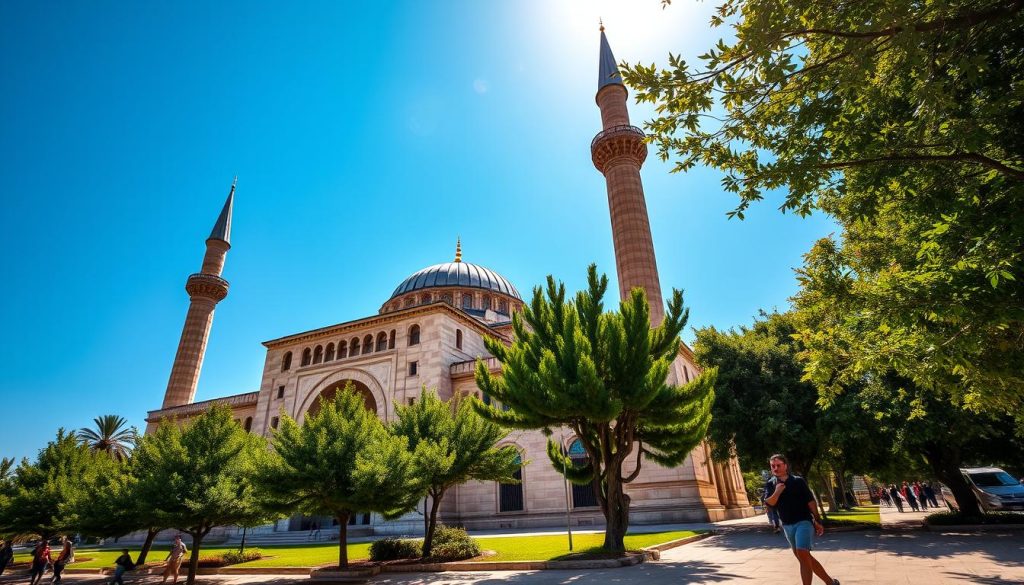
x: 744, y: 556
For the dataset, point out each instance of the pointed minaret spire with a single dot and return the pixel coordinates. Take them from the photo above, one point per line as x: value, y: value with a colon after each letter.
x: 458, y: 249
x: 222, y: 229
x: 608, y: 70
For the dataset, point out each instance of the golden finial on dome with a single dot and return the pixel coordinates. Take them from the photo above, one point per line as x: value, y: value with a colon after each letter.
x: 600, y: 22
x: 458, y: 249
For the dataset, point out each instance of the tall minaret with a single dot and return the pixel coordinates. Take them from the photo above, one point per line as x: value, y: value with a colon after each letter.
x: 618, y: 151
x: 205, y: 288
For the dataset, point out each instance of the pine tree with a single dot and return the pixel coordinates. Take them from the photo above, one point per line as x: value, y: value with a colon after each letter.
x: 199, y: 475
x: 342, y: 460
x: 603, y: 375
x: 450, y: 448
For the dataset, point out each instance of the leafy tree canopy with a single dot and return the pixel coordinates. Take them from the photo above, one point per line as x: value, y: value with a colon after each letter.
x: 605, y: 376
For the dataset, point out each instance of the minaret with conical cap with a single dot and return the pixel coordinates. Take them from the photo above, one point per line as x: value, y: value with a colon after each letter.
x: 205, y: 289
x: 618, y: 151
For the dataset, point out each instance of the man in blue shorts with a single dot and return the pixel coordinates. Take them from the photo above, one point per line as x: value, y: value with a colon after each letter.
x: 799, y: 514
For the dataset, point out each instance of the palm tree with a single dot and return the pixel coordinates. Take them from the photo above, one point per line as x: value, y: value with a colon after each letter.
x: 110, y: 436
x: 6, y: 468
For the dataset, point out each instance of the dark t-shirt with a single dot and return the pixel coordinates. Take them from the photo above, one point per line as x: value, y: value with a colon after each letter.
x: 792, y: 504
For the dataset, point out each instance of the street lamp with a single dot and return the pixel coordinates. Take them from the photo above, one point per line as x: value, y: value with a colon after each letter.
x: 565, y: 481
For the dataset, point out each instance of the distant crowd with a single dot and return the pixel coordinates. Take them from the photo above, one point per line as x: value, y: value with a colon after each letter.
x: 919, y: 496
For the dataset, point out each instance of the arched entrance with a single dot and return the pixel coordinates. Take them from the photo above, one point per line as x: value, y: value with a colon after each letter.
x: 332, y: 390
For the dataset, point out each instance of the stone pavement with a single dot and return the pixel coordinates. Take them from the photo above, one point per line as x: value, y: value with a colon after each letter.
x: 743, y: 556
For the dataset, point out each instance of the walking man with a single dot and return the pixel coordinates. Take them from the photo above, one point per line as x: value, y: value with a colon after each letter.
x: 799, y: 514
x: 174, y: 559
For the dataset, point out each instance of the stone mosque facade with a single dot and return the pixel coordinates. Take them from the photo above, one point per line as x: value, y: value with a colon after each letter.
x: 430, y: 333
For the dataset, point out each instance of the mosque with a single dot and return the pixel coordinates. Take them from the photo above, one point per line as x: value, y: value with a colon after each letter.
x: 430, y: 332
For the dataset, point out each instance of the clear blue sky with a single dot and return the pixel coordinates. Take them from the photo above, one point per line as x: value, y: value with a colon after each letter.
x: 365, y: 140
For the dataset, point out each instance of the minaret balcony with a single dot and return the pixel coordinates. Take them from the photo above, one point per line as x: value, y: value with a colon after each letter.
x: 207, y: 286
x: 617, y: 142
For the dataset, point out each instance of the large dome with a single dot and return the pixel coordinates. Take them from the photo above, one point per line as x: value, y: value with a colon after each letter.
x: 461, y: 274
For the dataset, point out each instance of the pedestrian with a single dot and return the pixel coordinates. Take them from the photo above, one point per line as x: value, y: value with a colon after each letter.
x: 883, y: 496
x: 798, y: 512
x: 895, y: 495
x: 123, y: 564
x: 174, y: 558
x: 40, y: 560
x: 66, y: 556
x: 6, y: 555
x: 919, y: 494
x: 908, y: 494
x: 929, y: 493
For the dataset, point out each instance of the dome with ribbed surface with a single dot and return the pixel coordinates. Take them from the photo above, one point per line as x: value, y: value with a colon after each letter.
x: 462, y: 274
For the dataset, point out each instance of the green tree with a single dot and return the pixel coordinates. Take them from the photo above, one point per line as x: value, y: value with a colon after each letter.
x: 901, y: 120
x: 603, y: 375
x: 199, y: 475
x: 42, y: 488
x: 449, y: 448
x: 111, y: 436
x: 342, y: 460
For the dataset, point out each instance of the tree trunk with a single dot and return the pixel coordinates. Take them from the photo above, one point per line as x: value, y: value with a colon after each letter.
x: 823, y: 486
x: 148, y: 544
x: 343, y: 540
x: 428, y: 538
x: 842, y: 489
x: 616, y: 514
x: 945, y: 464
x: 193, y: 561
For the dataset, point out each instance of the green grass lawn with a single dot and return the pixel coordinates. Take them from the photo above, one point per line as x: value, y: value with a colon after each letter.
x: 508, y: 548
x: 858, y: 515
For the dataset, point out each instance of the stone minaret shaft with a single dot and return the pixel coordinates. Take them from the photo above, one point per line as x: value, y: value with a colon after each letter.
x: 618, y: 151
x: 205, y: 289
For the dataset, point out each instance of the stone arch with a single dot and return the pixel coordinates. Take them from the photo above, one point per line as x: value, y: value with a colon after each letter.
x: 362, y: 381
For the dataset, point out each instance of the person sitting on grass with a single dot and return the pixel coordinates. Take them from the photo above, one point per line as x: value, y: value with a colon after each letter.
x: 124, y: 563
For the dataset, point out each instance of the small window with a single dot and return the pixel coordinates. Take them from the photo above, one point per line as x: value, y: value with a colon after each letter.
x: 487, y: 303
x: 342, y: 349
x: 318, y: 354
x: 391, y: 340
x: 458, y: 339
x: 248, y: 424
x: 367, y: 343
x: 414, y: 335
x: 467, y: 301
x: 307, y: 356
x: 425, y: 299
x: 273, y: 422
x: 686, y: 373
x: 410, y: 301
x: 329, y: 354
x: 413, y: 368
x: 503, y: 307
x: 382, y: 341
x: 446, y: 298
x: 286, y: 362
x: 412, y: 401
x: 280, y: 391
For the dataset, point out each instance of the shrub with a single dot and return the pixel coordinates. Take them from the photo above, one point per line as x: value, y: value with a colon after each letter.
x: 956, y: 518
x: 453, y: 544
x: 233, y: 557
x: 389, y: 549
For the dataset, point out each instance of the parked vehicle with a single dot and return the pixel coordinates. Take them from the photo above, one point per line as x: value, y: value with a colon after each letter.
x: 996, y: 490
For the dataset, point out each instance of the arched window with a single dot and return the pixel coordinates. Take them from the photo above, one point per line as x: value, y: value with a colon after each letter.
x: 329, y: 354
x: 583, y: 496
x: 503, y: 307
x: 467, y: 301
x: 425, y: 299
x: 248, y: 424
x: 307, y: 356
x: 414, y: 335
x: 318, y: 354
x: 382, y: 341
x: 409, y: 301
x: 286, y: 362
x: 342, y: 349
x: 391, y: 340
x: 353, y: 348
x: 367, y: 343
x: 487, y: 303
x: 446, y: 298
x: 458, y: 339
x: 510, y: 495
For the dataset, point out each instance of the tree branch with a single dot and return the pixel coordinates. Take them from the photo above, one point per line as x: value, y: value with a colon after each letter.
x: 639, y: 460
x: 970, y: 157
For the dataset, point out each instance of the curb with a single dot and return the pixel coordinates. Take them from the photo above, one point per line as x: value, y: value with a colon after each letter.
x: 972, y: 527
